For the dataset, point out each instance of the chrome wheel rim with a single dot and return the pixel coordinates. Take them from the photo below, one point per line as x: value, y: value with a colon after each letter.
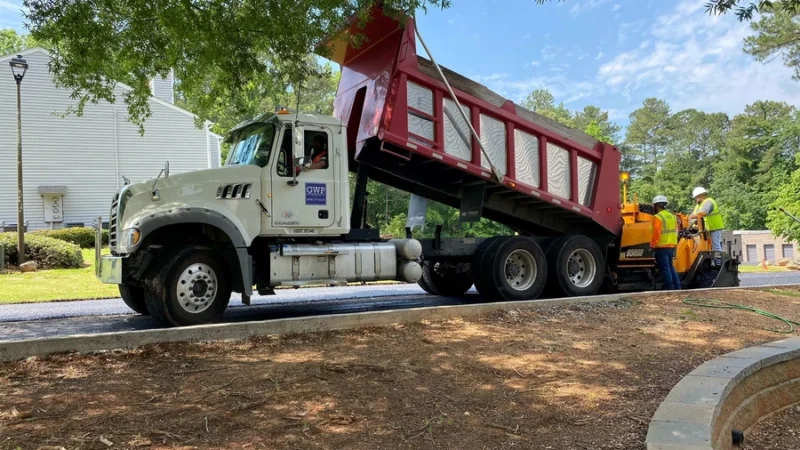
x: 520, y: 270
x: 581, y: 268
x: 197, y: 288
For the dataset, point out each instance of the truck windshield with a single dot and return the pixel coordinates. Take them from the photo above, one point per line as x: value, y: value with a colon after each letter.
x: 252, y: 145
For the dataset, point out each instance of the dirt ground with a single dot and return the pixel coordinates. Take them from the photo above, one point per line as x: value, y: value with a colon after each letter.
x: 578, y: 377
x: 779, y: 432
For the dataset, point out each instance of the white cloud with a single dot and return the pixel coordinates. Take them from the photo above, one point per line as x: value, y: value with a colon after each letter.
x: 526, y: 37
x: 10, y: 6
x: 616, y: 7
x: 451, y: 21
x: 696, y: 61
x: 586, y: 5
x: 599, y: 56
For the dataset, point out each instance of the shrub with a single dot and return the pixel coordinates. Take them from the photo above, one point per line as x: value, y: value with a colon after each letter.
x: 81, y: 236
x: 48, y: 253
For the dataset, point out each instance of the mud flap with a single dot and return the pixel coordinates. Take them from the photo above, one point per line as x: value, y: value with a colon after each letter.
x: 472, y: 202
x: 417, y: 210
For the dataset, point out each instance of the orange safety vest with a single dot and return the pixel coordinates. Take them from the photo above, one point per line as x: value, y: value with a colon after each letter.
x: 318, y: 157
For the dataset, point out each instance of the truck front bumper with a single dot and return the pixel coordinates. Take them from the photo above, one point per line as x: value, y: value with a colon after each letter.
x: 108, y: 269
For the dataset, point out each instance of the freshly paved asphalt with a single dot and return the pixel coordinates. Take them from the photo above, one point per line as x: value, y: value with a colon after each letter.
x: 35, y: 320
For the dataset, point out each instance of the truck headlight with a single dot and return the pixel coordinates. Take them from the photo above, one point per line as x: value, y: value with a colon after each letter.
x: 132, y: 236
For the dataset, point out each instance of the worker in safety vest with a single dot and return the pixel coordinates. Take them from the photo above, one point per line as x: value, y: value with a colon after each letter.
x: 707, y: 210
x: 664, y: 240
x: 319, y: 154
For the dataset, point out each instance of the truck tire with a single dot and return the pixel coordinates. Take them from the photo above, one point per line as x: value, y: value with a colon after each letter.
x: 514, y: 269
x: 448, y: 284
x: 576, y: 267
x: 133, y: 296
x: 479, y: 273
x: 192, y: 289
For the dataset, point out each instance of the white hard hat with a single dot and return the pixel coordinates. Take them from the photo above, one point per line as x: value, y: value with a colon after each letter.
x: 660, y: 199
x: 699, y: 191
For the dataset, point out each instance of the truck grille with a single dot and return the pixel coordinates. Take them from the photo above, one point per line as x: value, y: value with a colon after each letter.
x: 112, y: 223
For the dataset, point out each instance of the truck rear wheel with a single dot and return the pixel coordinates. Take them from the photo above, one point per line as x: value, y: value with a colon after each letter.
x: 438, y: 279
x: 513, y: 269
x: 576, y: 266
x: 133, y: 296
x: 192, y: 289
x: 478, y: 272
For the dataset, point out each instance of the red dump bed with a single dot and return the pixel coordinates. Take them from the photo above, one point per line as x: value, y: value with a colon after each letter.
x: 404, y: 125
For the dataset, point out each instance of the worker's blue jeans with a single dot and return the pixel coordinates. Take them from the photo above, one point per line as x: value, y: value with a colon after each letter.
x: 664, y: 258
x: 716, y: 240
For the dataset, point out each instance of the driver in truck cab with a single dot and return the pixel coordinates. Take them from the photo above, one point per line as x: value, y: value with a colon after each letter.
x: 319, y: 154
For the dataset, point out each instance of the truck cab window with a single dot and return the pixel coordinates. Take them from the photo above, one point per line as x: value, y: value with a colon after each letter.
x: 317, y: 152
x: 285, y: 160
x: 252, y: 145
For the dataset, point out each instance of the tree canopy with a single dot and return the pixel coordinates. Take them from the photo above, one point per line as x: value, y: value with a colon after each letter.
x: 216, y: 48
x: 777, y: 35
x: 744, y: 9
x: 13, y: 42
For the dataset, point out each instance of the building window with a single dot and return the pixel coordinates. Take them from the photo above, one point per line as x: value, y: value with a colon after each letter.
x: 788, y: 251
x: 769, y: 252
x: 751, y: 253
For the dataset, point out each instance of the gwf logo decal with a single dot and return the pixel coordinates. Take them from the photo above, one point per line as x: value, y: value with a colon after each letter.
x: 316, y: 194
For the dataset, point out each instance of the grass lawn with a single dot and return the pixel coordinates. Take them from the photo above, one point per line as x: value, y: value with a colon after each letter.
x: 56, y: 284
x: 758, y: 269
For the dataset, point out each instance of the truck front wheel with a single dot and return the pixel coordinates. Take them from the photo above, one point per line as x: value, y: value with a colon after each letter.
x: 133, y: 296
x: 192, y: 289
x: 441, y: 279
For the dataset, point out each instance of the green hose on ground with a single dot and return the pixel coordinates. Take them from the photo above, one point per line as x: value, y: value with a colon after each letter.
x: 709, y: 303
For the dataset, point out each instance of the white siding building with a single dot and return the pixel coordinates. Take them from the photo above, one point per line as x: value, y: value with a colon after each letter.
x: 73, y: 165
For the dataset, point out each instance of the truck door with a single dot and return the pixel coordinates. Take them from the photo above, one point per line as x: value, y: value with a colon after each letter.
x: 309, y: 205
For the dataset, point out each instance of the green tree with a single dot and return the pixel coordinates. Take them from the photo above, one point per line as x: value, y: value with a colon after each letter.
x: 13, y: 42
x: 744, y: 9
x: 758, y: 158
x: 788, y: 198
x: 591, y: 120
x: 594, y: 122
x: 694, y: 141
x: 777, y: 35
x: 216, y: 48
x: 541, y: 101
x: 264, y: 93
x: 647, y: 138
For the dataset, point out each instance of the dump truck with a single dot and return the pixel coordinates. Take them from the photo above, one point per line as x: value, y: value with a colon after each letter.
x: 181, y: 244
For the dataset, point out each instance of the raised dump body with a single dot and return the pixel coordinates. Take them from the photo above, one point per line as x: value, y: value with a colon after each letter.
x: 540, y: 177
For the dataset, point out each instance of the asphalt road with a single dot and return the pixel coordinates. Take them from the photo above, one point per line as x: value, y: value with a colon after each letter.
x: 32, y: 320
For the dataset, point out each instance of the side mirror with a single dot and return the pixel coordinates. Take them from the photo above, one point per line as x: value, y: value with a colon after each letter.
x: 298, y: 149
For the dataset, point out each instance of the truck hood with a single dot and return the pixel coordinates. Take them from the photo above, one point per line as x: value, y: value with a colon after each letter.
x: 186, y: 179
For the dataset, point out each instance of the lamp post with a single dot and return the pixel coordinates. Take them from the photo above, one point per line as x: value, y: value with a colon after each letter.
x: 18, y: 68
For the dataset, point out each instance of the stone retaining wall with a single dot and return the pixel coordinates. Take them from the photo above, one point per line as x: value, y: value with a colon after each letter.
x: 731, y: 392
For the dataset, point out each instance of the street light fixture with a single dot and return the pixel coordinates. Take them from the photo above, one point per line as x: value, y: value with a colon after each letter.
x: 18, y: 68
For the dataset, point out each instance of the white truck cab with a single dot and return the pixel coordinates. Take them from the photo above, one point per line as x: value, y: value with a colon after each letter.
x: 277, y: 214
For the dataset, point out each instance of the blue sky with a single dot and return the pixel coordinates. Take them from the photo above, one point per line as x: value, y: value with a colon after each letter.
x: 610, y: 53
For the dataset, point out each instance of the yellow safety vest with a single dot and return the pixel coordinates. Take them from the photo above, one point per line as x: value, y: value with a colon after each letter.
x: 669, y: 229
x: 713, y: 220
